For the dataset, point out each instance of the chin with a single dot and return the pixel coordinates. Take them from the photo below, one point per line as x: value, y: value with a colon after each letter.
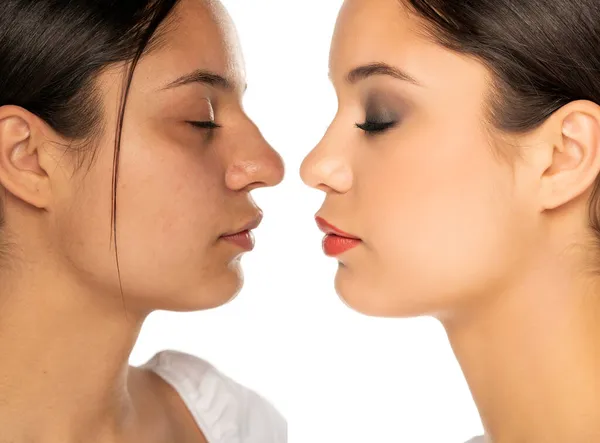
x: 215, y: 289
x: 373, y: 300
x: 220, y: 291
x: 355, y: 295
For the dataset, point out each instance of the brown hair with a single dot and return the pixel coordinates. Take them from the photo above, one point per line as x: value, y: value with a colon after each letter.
x: 543, y: 54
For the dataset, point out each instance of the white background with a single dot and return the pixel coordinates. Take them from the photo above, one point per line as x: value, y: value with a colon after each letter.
x: 337, y: 376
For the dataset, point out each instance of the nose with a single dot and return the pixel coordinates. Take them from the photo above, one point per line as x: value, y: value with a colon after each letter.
x: 326, y: 168
x: 255, y: 165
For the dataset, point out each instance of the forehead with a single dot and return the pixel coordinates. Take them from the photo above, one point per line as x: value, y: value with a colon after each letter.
x: 369, y: 30
x: 199, y: 35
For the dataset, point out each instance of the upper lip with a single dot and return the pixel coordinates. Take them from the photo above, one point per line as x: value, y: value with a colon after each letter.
x: 328, y: 228
x: 249, y: 226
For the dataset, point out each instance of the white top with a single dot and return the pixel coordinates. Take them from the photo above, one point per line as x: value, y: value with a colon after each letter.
x: 477, y: 440
x: 225, y: 411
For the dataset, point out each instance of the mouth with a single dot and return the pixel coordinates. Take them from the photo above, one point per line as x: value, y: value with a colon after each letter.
x: 243, y: 236
x: 336, y: 241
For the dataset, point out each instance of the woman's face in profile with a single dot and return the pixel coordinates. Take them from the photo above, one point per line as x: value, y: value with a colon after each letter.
x: 410, y: 167
x: 189, y: 157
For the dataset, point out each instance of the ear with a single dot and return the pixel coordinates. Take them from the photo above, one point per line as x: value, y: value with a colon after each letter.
x: 571, y: 161
x: 21, y: 140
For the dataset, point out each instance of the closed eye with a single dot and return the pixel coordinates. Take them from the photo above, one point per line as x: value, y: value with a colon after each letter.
x: 209, y: 124
x: 371, y: 127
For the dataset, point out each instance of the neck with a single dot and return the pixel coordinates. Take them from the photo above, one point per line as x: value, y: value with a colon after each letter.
x: 531, y: 357
x: 64, y: 371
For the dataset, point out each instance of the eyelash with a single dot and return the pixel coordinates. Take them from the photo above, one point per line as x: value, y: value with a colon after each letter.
x: 372, y: 128
x: 205, y: 124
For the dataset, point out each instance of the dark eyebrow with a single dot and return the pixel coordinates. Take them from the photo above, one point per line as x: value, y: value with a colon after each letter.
x: 205, y: 77
x: 366, y: 71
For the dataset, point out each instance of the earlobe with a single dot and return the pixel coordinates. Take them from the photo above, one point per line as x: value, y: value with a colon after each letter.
x: 20, y: 170
x: 575, y: 160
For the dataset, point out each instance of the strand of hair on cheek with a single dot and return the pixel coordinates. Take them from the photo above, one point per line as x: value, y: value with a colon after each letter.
x: 147, y: 35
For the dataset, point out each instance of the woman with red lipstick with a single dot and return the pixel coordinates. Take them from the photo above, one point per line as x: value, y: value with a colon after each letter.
x: 461, y: 174
x: 126, y: 166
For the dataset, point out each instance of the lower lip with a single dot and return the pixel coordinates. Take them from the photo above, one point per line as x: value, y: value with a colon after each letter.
x: 244, y: 240
x: 334, y: 245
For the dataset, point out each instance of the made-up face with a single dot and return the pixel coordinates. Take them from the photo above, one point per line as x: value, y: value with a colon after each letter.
x: 426, y: 214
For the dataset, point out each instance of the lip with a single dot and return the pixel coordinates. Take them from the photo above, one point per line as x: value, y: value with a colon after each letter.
x: 328, y: 228
x: 251, y: 225
x: 243, y: 237
x: 336, y: 241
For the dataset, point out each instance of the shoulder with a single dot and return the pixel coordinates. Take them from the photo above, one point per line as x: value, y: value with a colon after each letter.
x: 225, y: 410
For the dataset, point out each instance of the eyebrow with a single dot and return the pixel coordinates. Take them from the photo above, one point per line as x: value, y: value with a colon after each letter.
x: 372, y: 69
x: 204, y: 77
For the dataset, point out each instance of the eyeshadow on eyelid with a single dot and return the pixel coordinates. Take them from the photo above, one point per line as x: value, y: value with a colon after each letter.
x: 382, y: 112
x: 385, y: 96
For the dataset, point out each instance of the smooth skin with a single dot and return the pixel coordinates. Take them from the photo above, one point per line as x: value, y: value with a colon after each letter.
x: 486, y: 231
x: 66, y: 329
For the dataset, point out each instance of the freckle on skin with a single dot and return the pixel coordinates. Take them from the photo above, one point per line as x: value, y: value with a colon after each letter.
x: 245, y: 167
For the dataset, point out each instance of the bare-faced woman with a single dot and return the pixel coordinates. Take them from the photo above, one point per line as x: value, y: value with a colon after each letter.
x: 126, y: 165
x: 461, y: 180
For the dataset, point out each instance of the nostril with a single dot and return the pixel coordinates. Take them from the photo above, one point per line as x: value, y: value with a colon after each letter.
x: 256, y: 185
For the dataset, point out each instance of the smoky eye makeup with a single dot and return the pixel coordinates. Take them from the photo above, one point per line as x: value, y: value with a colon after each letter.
x: 382, y: 113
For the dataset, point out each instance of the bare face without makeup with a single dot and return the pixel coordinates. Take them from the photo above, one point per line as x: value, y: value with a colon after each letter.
x: 189, y: 158
x: 409, y: 168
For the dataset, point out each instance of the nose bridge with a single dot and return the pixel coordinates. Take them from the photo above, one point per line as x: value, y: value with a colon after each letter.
x: 254, y: 161
x: 253, y: 139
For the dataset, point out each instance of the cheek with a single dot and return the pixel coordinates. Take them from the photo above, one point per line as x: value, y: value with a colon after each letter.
x: 83, y: 225
x: 169, y: 197
x: 170, y: 208
x: 439, y: 217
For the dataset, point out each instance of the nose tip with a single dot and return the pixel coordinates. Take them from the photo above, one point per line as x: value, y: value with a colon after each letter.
x: 272, y: 171
x: 326, y: 173
x: 267, y: 170
x: 305, y: 171
x: 278, y: 168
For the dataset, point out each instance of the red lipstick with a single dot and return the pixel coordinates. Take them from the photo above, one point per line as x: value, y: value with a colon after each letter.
x: 336, y: 241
